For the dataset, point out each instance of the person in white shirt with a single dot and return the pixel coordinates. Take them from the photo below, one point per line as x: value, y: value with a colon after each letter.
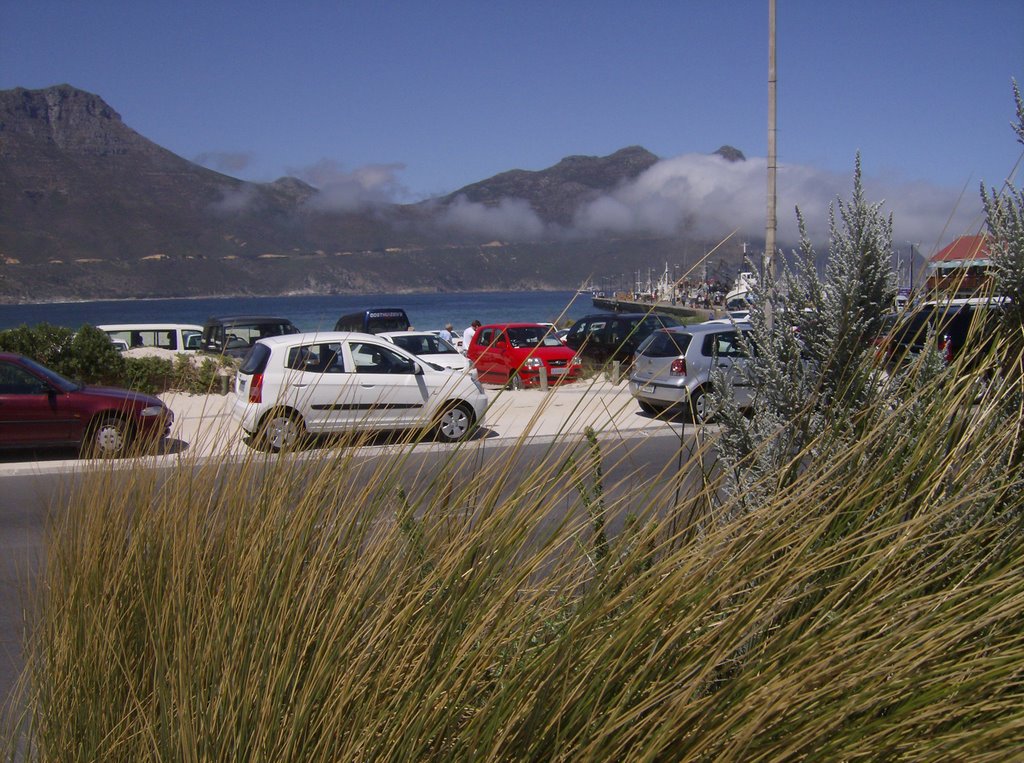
x: 467, y: 336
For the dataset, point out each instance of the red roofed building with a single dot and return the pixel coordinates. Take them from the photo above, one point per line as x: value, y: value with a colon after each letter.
x: 961, y: 269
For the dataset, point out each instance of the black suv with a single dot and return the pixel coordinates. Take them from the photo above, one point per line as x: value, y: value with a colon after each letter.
x: 904, y: 335
x: 605, y: 337
x: 234, y: 335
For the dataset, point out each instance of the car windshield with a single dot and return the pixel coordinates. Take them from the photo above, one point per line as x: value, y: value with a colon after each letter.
x: 60, y: 382
x: 532, y: 336
x: 425, y: 344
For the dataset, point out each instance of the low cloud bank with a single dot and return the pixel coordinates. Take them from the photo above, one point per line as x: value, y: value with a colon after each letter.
x: 706, y: 196
x: 697, y: 195
x: 344, y: 190
x: 511, y: 219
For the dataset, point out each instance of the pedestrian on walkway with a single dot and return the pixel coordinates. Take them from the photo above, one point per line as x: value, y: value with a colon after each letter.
x: 467, y: 336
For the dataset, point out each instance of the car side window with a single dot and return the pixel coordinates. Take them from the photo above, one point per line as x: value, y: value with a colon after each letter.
x: 723, y: 345
x: 485, y: 336
x: 577, y: 331
x: 304, y: 358
x: 18, y: 381
x: 334, y: 363
x: 374, y: 359
x: 618, y: 332
x: 316, y: 358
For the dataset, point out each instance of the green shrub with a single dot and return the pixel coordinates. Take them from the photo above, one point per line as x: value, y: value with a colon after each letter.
x: 88, y: 356
x: 149, y: 374
x: 91, y: 358
x: 43, y: 342
x: 201, y: 375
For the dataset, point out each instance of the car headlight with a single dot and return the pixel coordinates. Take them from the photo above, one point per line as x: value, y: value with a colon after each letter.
x: 533, y: 362
x: 576, y: 361
x: 153, y: 410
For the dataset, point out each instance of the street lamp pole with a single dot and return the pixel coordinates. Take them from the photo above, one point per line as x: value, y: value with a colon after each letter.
x: 771, y: 223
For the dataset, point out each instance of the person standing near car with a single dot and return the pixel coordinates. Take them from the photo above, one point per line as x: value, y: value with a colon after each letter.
x: 446, y: 333
x: 468, y: 334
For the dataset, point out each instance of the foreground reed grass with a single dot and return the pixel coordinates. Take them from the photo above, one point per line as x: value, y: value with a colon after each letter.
x: 521, y: 608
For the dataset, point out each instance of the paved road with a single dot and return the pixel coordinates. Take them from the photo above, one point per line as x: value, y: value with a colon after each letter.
x: 640, y: 456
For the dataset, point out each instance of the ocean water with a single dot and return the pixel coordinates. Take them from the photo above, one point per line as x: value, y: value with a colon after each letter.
x: 312, y: 313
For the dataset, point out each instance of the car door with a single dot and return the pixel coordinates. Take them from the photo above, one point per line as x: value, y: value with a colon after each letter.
x: 317, y: 382
x: 388, y: 388
x: 488, y: 359
x: 729, y: 356
x: 32, y: 412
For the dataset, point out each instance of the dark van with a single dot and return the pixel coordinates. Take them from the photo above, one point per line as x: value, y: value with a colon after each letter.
x: 375, y: 320
x: 234, y: 335
x: 605, y: 337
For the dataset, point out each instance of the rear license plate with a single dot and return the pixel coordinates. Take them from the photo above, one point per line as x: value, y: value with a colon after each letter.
x: 647, y: 388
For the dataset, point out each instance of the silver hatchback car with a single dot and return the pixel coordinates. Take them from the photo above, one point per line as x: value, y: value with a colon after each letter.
x: 673, y: 367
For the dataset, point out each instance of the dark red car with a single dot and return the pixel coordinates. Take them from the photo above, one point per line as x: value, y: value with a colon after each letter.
x: 40, y: 408
x: 515, y: 353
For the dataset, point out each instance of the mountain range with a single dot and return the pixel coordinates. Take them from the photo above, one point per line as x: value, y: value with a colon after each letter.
x: 91, y: 209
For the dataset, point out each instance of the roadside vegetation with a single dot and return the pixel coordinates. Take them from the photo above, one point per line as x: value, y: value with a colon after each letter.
x: 843, y: 583
x: 88, y: 356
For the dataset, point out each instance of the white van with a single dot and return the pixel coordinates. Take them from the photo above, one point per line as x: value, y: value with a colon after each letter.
x: 176, y: 337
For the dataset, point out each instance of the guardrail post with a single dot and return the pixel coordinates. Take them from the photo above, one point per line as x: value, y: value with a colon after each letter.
x: 543, y: 378
x: 616, y: 371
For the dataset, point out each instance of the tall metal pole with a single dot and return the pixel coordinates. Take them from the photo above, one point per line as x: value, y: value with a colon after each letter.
x: 771, y: 223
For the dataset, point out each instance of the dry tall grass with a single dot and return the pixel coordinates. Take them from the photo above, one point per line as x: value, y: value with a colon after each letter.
x: 339, y: 609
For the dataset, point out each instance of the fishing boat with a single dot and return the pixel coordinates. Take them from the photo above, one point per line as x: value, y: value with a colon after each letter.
x: 739, y: 297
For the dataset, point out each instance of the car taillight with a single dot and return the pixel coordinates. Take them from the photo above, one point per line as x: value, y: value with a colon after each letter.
x: 881, y: 346
x: 946, y: 348
x: 256, y: 388
x: 678, y: 367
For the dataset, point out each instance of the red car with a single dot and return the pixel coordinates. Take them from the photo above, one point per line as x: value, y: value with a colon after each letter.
x: 515, y: 353
x: 40, y: 408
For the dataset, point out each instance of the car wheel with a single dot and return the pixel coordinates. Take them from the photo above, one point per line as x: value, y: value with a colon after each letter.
x: 515, y: 381
x: 107, y: 438
x: 281, y: 430
x: 700, y: 408
x: 455, y: 423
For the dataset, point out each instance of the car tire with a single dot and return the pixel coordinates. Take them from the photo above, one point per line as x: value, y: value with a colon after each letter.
x: 650, y: 408
x: 455, y: 423
x: 281, y: 431
x: 699, y: 406
x: 515, y: 381
x: 108, y: 437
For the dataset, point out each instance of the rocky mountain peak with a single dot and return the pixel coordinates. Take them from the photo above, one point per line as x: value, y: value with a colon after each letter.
x: 71, y: 119
x: 731, y: 154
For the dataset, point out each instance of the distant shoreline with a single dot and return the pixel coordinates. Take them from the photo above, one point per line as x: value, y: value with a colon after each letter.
x: 5, y: 302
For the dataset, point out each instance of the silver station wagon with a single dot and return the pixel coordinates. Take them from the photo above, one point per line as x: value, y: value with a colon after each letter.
x: 295, y: 385
x: 673, y: 367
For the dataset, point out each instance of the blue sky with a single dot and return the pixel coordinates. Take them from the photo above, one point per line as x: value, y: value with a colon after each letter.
x: 405, y: 100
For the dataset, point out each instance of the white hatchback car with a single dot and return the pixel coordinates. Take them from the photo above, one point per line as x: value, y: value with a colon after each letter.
x: 295, y: 385
x: 428, y: 346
